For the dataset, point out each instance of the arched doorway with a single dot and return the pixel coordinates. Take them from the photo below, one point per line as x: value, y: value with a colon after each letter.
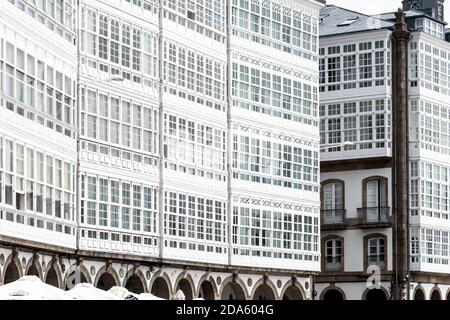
x: 264, y: 292
x: 11, y: 273
x: 333, y: 295
x: 419, y: 295
x: 186, y: 287
x: 233, y: 291
x: 33, y: 271
x: 206, y: 291
x: 435, y: 295
x: 106, y: 281
x: 160, y: 288
x: 52, y: 278
x: 293, y: 293
x: 134, y: 284
x: 376, y: 295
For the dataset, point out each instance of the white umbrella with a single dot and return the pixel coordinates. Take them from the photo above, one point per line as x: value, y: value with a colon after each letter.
x: 86, y: 291
x: 31, y: 288
x: 180, y: 295
x: 123, y: 293
x: 148, y: 296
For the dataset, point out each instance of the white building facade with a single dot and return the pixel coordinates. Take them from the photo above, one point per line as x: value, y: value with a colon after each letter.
x: 38, y: 124
x: 355, y: 129
x: 274, y: 178
x: 182, y: 148
x: 429, y: 90
x: 358, y: 225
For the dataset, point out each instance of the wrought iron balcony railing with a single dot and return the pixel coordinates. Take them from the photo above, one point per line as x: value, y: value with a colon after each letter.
x: 373, y: 215
x: 333, y: 217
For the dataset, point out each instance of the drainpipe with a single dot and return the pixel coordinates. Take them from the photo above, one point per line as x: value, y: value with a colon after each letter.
x: 77, y: 121
x: 229, y: 138
x: 161, y: 131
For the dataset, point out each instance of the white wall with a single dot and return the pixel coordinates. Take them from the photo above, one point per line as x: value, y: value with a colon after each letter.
x: 353, y: 186
x: 353, y: 246
x: 353, y: 238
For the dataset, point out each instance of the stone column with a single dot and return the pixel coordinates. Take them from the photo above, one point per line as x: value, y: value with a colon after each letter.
x: 400, y: 150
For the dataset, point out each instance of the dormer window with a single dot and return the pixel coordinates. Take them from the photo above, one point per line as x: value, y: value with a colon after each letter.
x: 348, y: 22
x: 323, y: 17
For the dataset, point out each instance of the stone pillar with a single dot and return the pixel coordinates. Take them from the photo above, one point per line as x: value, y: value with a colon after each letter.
x: 400, y: 148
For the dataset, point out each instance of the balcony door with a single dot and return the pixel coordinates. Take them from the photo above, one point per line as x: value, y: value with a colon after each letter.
x: 333, y: 196
x: 333, y: 201
x: 376, y: 199
x: 376, y: 193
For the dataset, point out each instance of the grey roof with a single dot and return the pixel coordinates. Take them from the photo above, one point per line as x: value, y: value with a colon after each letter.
x: 332, y: 16
x: 391, y: 15
x: 408, y: 14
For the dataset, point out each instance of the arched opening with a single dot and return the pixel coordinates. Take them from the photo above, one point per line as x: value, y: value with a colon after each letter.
x: 52, y: 278
x: 435, y: 295
x: 186, y: 287
x: 264, y: 292
x: 376, y: 295
x: 206, y: 291
x: 233, y: 291
x: 160, y: 288
x: 72, y: 281
x: 419, y: 295
x: 293, y: 293
x: 11, y: 273
x: 333, y: 295
x: 106, y: 281
x: 134, y: 284
x: 33, y: 271
x: 448, y: 295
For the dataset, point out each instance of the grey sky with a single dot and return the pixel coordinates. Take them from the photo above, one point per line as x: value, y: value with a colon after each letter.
x: 378, y: 6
